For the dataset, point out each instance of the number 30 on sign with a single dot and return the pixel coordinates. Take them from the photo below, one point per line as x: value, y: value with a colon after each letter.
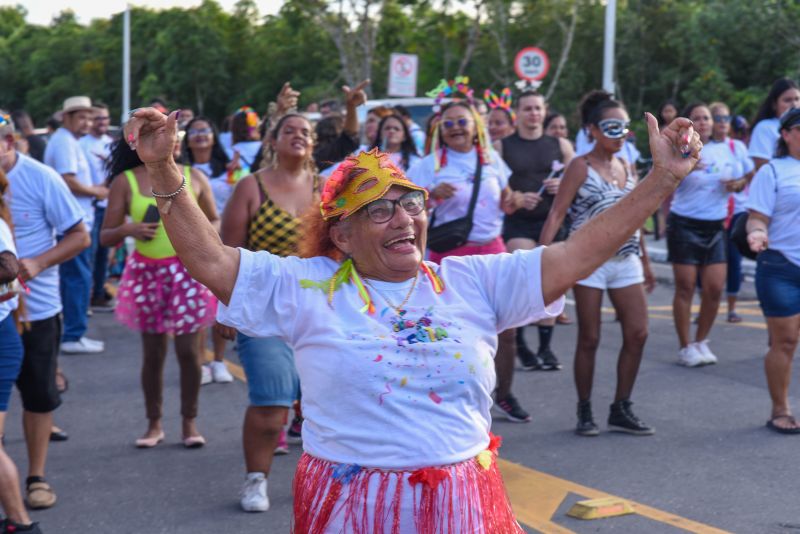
x: 531, y: 64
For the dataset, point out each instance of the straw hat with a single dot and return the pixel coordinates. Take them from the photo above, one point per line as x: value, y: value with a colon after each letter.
x: 77, y: 103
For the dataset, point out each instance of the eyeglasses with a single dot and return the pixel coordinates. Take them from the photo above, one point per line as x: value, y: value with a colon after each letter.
x: 199, y: 131
x: 382, y: 210
x: 102, y: 119
x: 614, y: 128
x: 722, y: 118
x: 462, y: 123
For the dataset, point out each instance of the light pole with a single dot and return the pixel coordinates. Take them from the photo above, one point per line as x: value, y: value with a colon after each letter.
x: 608, y: 46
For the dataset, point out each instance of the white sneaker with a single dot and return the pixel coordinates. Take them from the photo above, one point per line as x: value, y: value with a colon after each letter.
x: 206, y: 377
x: 254, y: 493
x: 220, y: 373
x: 708, y: 357
x: 690, y: 356
x: 83, y: 346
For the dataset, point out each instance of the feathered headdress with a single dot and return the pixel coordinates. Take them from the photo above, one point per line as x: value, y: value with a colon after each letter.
x: 451, y: 89
x: 503, y: 101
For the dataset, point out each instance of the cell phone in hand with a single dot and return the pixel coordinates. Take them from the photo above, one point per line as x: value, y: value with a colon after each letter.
x: 151, y: 215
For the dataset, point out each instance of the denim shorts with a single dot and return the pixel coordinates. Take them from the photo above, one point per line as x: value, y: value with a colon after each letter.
x: 777, y: 284
x: 694, y: 241
x: 268, y: 363
x: 10, y: 359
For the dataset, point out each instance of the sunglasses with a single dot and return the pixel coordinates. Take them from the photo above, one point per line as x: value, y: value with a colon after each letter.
x: 722, y: 118
x: 614, y: 128
x: 462, y: 123
x: 194, y: 132
x: 382, y: 210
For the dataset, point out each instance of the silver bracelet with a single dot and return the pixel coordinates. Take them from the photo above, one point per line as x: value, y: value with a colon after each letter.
x: 169, y: 196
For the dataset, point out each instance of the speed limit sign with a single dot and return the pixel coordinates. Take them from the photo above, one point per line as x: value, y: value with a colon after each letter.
x: 531, y: 64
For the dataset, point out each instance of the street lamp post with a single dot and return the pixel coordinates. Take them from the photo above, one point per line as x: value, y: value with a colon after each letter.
x: 608, y: 46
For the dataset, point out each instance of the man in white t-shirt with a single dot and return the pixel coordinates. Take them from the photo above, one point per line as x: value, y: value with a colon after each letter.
x: 41, y: 208
x: 97, y: 146
x: 65, y: 155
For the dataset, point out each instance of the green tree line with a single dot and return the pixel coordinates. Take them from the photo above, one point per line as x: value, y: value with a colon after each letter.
x: 215, y: 61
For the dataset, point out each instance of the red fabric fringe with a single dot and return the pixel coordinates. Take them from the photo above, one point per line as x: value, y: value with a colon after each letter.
x: 462, y: 498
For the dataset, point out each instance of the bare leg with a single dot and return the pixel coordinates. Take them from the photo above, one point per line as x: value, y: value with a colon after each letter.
x: 783, y: 332
x: 219, y: 346
x: 190, y: 359
x: 631, y: 306
x: 588, y: 304
x: 37, y: 427
x: 504, y: 362
x: 260, y: 433
x: 154, y: 353
x: 685, y: 282
x: 10, y: 496
x: 713, y: 281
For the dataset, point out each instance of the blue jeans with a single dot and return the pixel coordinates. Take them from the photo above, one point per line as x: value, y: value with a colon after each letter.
x: 76, y: 283
x: 734, y: 283
x: 100, y: 256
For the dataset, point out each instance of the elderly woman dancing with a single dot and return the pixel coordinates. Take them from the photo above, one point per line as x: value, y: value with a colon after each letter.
x: 394, y: 353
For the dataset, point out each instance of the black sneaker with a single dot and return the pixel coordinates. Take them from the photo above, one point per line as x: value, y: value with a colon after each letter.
x: 530, y: 361
x: 622, y: 419
x: 9, y: 527
x: 549, y: 360
x: 511, y: 410
x: 586, y: 425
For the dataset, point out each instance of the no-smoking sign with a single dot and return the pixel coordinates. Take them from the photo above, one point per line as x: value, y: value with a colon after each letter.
x: 531, y: 64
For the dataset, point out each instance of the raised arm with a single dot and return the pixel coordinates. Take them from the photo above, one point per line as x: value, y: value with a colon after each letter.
x: 352, y: 99
x: 153, y: 135
x: 565, y: 263
x: 573, y: 178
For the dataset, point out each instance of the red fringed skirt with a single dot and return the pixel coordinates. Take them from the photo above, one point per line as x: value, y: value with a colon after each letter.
x: 463, y: 498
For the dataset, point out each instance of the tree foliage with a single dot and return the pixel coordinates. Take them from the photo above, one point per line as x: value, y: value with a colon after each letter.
x: 215, y: 61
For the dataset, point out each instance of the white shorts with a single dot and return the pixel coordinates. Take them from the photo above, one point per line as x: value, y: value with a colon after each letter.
x: 619, y: 271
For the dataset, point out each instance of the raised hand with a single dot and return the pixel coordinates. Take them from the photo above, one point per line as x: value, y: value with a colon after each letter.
x: 356, y: 96
x: 676, y: 148
x: 152, y: 134
x: 287, y: 98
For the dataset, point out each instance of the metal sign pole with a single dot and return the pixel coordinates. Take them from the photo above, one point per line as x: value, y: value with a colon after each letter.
x: 126, y: 64
x: 608, y: 46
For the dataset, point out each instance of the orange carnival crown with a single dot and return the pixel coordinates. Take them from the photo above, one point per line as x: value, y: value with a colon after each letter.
x: 359, y: 180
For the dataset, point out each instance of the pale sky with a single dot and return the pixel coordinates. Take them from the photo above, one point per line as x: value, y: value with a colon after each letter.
x: 42, y: 11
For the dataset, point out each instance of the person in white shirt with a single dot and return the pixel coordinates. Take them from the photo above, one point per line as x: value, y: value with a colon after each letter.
x: 41, y: 208
x: 394, y: 353
x: 784, y: 95
x: 696, y: 243
x: 772, y: 231
x: 394, y: 138
x: 97, y: 145
x: 65, y: 155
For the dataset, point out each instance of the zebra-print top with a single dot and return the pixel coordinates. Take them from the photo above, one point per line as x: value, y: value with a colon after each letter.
x: 597, y: 195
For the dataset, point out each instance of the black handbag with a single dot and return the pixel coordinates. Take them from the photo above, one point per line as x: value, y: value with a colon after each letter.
x: 739, y: 230
x: 454, y: 234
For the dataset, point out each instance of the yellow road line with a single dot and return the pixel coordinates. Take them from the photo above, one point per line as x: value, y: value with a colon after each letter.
x: 536, y: 496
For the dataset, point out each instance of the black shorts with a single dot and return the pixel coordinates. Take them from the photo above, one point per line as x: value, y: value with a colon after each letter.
x: 528, y: 229
x: 695, y: 241
x: 37, y: 378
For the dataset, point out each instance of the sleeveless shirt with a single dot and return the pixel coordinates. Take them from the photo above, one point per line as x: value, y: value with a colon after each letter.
x: 531, y: 162
x: 160, y: 246
x: 272, y: 228
x: 595, y: 196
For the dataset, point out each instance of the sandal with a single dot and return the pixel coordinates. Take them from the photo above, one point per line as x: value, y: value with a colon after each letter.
x: 62, y: 384
x: 194, y: 442
x: 149, y: 443
x: 734, y: 317
x: 792, y: 429
x: 40, y: 494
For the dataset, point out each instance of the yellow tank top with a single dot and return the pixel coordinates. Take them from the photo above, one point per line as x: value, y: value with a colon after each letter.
x: 159, y: 247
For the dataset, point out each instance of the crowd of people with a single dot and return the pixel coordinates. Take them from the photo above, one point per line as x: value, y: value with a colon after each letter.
x: 383, y: 246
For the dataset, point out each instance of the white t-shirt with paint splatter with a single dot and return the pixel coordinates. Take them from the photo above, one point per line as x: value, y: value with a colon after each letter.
x: 386, y: 391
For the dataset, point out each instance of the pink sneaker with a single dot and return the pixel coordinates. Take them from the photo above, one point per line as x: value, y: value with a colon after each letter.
x: 283, y: 444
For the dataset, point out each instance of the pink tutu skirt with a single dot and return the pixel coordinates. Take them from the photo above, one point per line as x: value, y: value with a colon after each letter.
x: 157, y: 296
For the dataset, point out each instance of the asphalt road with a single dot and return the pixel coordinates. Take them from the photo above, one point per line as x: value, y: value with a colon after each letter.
x: 711, y: 460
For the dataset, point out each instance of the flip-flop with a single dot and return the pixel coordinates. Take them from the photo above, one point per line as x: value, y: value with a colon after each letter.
x: 781, y: 429
x: 734, y: 317
x: 149, y: 443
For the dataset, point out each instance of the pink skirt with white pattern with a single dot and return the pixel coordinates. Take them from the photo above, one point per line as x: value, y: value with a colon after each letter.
x: 157, y: 296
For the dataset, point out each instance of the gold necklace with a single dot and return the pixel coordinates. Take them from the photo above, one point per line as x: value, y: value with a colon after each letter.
x: 397, y: 309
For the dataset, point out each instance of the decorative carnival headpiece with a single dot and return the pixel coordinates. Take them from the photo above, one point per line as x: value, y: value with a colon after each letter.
x: 251, y: 117
x: 359, y: 180
x: 503, y: 101
x: 451, y: 89
x: 528, y: 85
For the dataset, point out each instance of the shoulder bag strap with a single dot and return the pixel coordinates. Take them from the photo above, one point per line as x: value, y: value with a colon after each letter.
x: 476, y: 186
